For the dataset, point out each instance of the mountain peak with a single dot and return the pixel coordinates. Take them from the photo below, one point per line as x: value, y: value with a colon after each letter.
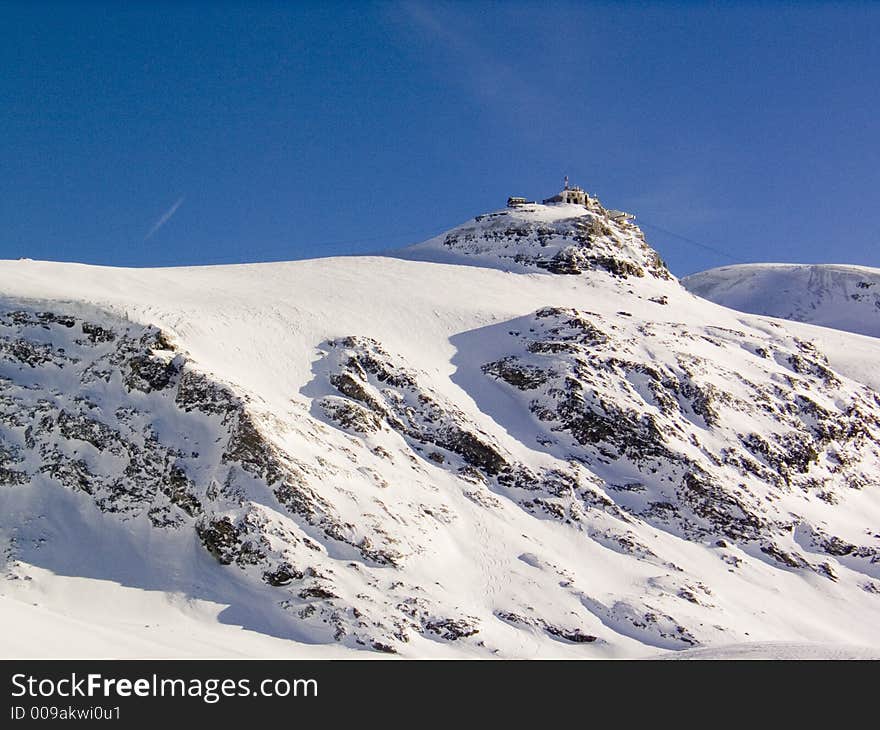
x: 365, y: 453
x: 558, y: 236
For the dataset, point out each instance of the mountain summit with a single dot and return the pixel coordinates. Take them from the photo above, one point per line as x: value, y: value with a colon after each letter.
x: 520, y: 438
x: 560, y: 238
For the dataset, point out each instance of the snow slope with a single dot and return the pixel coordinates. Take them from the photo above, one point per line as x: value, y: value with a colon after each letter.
x: 523, y: 438
x: 838, y: 296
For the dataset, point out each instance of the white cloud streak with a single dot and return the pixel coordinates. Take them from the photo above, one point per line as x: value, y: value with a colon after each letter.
x: 165, y: 217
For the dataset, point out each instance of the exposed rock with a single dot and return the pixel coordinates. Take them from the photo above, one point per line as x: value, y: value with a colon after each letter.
x: 572, y: 242
x: 668, y: 418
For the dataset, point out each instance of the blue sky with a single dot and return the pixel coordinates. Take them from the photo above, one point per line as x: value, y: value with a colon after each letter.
x: 166, y: 134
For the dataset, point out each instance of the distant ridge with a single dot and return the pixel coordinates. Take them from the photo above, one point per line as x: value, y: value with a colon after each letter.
x: 841, y: 296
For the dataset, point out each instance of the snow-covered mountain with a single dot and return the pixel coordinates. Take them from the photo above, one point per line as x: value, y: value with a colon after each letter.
x: 521, y: 438
x: 830, y: 295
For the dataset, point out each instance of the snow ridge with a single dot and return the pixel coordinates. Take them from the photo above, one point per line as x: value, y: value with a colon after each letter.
x: 831, y: 295
x: 574, y: 458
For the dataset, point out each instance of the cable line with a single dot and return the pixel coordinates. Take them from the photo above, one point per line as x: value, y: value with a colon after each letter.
x: 736, y: 259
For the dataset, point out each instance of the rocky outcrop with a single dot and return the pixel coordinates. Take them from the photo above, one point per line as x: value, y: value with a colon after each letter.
x: 592, y: 483
x: 714, y: 461
x: 117, y: 412
x: 388, y: 394
x: 564, y: 240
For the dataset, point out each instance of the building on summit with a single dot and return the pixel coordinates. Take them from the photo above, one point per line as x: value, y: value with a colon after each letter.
x: 569, y: 194
x: 620, y: 216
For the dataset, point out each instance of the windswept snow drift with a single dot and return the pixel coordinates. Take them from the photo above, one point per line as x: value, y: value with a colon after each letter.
x: 522, y: 438
x: 831, y: 295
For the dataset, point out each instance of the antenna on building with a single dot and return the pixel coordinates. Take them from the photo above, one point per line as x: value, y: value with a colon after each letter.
x: 566, y: 183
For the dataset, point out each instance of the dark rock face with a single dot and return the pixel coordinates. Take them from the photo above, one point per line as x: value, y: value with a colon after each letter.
x: 452, y: 629
x: 392, y: 394
x: 95, y: 333
x: 589, y: 241
x: 588, y: 385
x: 188, y: 453
x: 52, y: 414
x: 572, y: 634
x: 282, y: 575
x: 524, y: 377
x: 739, y: 444
x: 222, y: 539
x: 397, y: 398
x: 349, y: 415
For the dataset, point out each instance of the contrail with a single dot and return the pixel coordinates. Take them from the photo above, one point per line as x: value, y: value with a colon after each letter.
x: 165, y: 217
